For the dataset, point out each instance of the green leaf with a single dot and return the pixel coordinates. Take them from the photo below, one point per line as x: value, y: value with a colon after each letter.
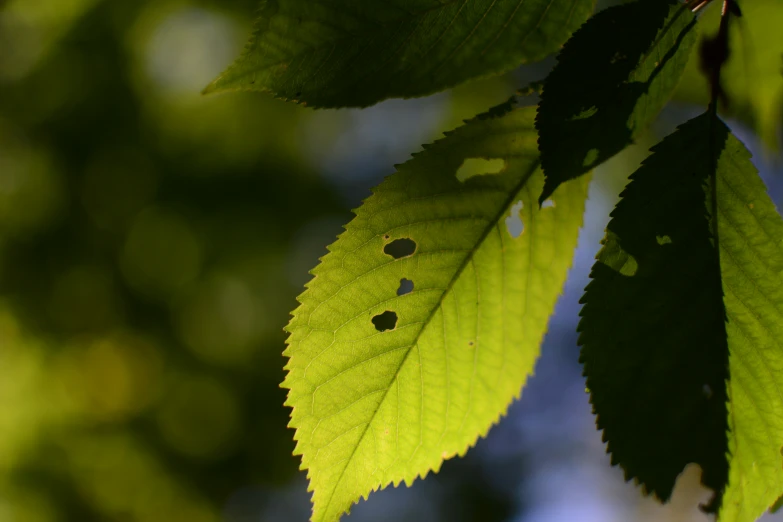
x: 750, y: 232
x: 653, y: 330
x: 752, y: 77
x: 385, y: 383
x: 340, y: 53
x: 605, y: 90
x: 654, y: 342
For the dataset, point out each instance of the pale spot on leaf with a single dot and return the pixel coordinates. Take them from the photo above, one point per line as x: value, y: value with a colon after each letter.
x: 480, y: 167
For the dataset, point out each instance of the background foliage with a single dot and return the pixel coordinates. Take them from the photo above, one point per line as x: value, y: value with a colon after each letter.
x: 151, y: 245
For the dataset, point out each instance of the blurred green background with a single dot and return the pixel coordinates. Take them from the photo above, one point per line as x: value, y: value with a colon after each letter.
x: 152, y: 244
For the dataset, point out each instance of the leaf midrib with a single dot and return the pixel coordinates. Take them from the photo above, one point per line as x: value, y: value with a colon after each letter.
x: 513, y: 194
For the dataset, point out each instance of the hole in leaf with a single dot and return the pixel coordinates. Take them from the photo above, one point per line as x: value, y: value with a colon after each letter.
x: 663, y: 240
x: 480, y: 167
x: 385, y: 321
x: 590, y: 158
x: 585, y: 114
x: 514, y: 221
x: 471, y: 343
x: 630, y: 267
x: 406, y: 287
x: 549, y: 203
x: 400, y: 248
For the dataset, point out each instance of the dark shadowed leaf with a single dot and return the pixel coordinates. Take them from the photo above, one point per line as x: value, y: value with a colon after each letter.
x: 655, y: 345
x: 653, y: 330
x: 612, y: 79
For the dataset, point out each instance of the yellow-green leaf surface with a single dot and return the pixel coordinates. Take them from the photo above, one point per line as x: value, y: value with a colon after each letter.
x: 425, y: 318
x: 751, y: 256
x: 338, y: 53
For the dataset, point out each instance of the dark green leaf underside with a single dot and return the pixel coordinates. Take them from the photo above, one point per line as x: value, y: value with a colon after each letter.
x: 340, y: 53
x: 611, y: 80
x: 653, y: 344
x: 653, y: 330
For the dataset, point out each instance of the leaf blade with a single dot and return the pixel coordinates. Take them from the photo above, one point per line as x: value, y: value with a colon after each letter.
x: 354, y: 54
x: 653, y: 322
x: 750, y: 256
x: 604, y: 92
x: 466, y: 337
x: 751, y: 252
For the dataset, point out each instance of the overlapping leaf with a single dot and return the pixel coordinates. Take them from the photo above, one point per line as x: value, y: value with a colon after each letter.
x: 612, y: 79
x: 425, y: 318
x: 653, y: 330
x: 338, y: 53
x: 656, y: 348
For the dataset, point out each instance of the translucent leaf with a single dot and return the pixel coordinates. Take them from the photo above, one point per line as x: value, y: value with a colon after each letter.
x: 605, y: 90
x: 751, y: 255
x: 653, y: 330
x: 338, y: 53
x: 425, y: 318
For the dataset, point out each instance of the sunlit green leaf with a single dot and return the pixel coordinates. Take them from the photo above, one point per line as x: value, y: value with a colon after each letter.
x: 425, y: 318
x: 751, y: 255
x: 653, y: 330
x: 612, y: 79
x: 337, y: 53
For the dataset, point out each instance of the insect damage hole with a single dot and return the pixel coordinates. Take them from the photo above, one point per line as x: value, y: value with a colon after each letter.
x: 406, y: 287
x: 514, y: 221
x: 385, y: 321
x: 549, y: 203
x: 480, y: 167
x: 400, y: 248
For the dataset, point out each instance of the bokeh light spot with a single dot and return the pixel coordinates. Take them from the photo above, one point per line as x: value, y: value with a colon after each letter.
x: 112, y: 378
x: 116, y: 185
x: 84, y: 298
x: 222, y: 321
x: 161, y: 253
x: 199, y: 417
x: 188, y: 48
x: 31, y: 190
